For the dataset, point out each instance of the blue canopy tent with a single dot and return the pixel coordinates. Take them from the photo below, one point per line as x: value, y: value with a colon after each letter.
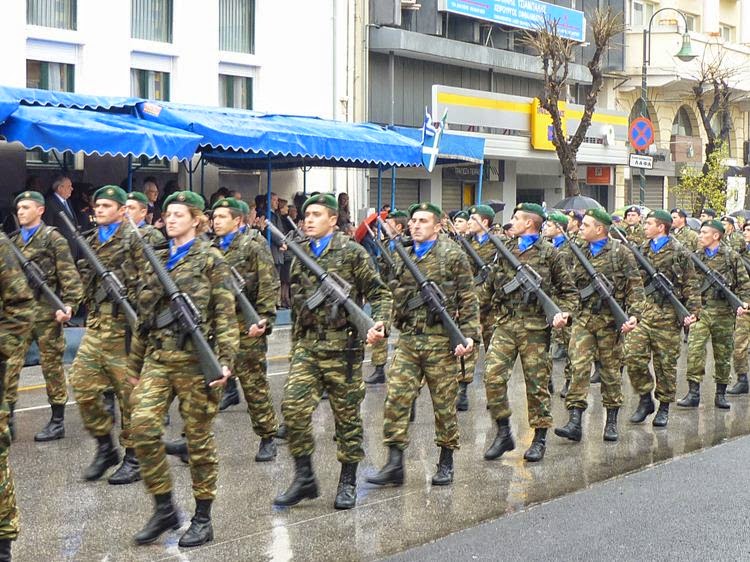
x: 50, y: 98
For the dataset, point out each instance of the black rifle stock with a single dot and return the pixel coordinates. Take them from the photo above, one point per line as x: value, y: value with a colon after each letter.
x: 483, y: 269
x: 384, y: 253
x: 36, y: 278
x: 332, y: 287
x: 716, y: 279
x: 116, y: 292
x: 238, y: 288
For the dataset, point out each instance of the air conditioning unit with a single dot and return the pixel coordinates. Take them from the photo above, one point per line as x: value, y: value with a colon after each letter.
x: 410, y: 5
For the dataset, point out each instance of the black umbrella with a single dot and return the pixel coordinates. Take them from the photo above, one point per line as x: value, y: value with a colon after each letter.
x: 578, y: 203
x: 693, y: 223
x: 496, y: 205
x: 745, y: 214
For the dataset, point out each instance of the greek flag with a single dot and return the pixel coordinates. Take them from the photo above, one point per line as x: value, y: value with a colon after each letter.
x: 431, y: 140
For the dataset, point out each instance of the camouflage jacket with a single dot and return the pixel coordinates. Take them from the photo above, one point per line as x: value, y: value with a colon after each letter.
x: 635, y: 234
x: 729, y: 264
x: 687, y: 237
x: 448, y: 267
x: 387, y: 272
x: 352, y: 263
x: 202, y: 274
x: 618, y: 265
x: 152, y: 235
x: 554, y: 270
x: 736, y: 241
x: 16, y: 299
x: 250, y: 255
x: 50, y: 251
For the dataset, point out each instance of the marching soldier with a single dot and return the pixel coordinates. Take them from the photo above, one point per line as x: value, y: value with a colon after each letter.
x: 423, y: 349
x: 742, y: 332
x: 170, y: 369
x: 594, y: 333
x: 521, y: 330
x: 49, y: 249
x: 461, y: 222
x: 634, y: 229
x: 327, y: 353
x: 731, y: 236
x: 137, y: 207
x: 717, y: 318
x: 575, y: 218
x: 250, y: 256
x: 686, y: 235
x: 707, y: 215
x: 658, y: 332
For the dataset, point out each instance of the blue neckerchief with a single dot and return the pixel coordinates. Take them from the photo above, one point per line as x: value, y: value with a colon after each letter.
x: 392, y: 246
x: 141, y: 224
x: 106, y: 231
x: 526, y: 241
x: 658, y: 243
x: 481, y: 238
x: 226, y: 240
x: 558, y: 240
x: 597, y: 245
x: 243, y: 228
x: 421, y: 248
x: 27, y: 233
x: 176, y: 254
x: 319, y: 246
x: 711, y: 253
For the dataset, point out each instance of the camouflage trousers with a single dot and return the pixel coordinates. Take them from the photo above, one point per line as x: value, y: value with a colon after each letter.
x: 595, y: 337
x: 470, y: 361
x: 511, y: 339
x: 9, y: 516
x: 311, y: 371
x: 417, y: 357
x: 250, y: 369
x: 717, y: 324
x: 164, y: 375
x: 658, y: 337
x: 49, y: 337
x: 380, y: 352
x: 101, y: 363
x: 561, y: 338
x: 741, y: 344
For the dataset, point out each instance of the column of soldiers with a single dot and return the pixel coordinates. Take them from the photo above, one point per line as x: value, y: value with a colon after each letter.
x: 151, y: 363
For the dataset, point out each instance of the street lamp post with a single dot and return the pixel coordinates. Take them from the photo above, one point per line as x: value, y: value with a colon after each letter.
x: 685, y: 54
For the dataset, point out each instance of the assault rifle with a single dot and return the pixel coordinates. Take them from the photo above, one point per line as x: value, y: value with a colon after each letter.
x: 184, y: 313
x: 237, y: 285
x: 430, y: 294
x: 483, y: 269
x: 35, y: 277
x: 715, y: 279
x: 386, y: 255
x: 113, y: 287
x: 332, y: 287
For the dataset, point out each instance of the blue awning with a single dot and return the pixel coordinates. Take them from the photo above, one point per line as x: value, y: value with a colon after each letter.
x: 454, y: 148
x: 50, y: 98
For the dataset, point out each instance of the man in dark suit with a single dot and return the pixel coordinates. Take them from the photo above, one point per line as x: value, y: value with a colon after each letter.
x: 56, y: 201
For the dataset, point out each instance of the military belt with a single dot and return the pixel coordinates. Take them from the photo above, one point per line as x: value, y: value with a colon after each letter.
x: 321, y: 334
x: 171, y: 344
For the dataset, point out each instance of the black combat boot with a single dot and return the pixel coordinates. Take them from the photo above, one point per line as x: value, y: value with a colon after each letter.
x: 282, y: 433
x: 129, y: 471
x: 444, y: 474
x: 413, y: 411
x: 596, y: 378
x: 266, y: 450
x: 377, y: 376
x: 572, y: 430
x: 740, y: 387
x: 178, y: 448
x: 163, y: 519
x: 565, y: 388
x: 503, y: 440
x: 538, y: 446
x: 393, y: 471
x: 109, y: 403
x: 346, y: 495
x: 645, y: 408
x: 231, y: 395
x: 610, y: 426
x: 693, y: 397
x: 462, y: 402
x: 12, y: 421
x: 304, y: 485
x: 55, y: 428
x: 662, y: 415
x: 720, y: 401
x: 200, y: 530
x: 5, y: 550
x: 106, y: 456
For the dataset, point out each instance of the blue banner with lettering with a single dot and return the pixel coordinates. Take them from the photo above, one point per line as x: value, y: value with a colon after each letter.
x: 524, y: 14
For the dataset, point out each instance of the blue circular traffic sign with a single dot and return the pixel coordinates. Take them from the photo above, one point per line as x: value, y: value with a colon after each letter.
x: 641, y: 133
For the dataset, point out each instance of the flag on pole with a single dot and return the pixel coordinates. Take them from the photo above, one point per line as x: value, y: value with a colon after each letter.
x: 431, y: 139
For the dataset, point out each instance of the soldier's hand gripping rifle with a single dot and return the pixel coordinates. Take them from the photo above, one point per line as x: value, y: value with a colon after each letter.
x: 384, y: 253
x: 237, y: 285
x: 332, y: 287
x: 713, y: 278
x: 184, y: 313
x: 113, y: 287
x: 35, y: 277
x: 430, y: 294
x: 483, y: 269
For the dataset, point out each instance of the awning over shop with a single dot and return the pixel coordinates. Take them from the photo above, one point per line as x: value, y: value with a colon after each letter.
x: 454, y: 148
x: 50, y: 98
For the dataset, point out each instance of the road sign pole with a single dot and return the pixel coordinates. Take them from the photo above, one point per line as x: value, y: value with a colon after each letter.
x: 644, y: 111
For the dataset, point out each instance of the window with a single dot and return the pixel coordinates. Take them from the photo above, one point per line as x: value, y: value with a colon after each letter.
x: 51, y: 13
x: 151, y: 20
x: 727, y: 33
x: 237, y: 26
x: 235, y: 91
x: 149, y: 84
x: 681, y: 124
x: 641, y: 13
x: 693, y: 22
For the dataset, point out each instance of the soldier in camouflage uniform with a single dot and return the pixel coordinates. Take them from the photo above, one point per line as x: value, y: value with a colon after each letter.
x: 169, y: 369
x: 47, y: 248
x: 16, y: 319
x: 327, y: 353
x: 680, y: 230
x: 250, y: 256
x: 717, y: 318
x: 594, y: 331
x: 742, y: 331
x: 707, y: 215
x: 102, y: 361
x: 658, y: 332
x: 521, y: 329
x: 423, y: 349
x: 634, y: 229
x: 461, y: 223
x: 732, y: 237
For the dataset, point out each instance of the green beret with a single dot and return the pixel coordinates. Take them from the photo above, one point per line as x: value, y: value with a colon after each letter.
x: 328, y: 200
x: 661, y: 215
x: 483, y: 211
x: 558, y: 218
x: 532, y: 208
x: 229, y: 203
x: 716, y: 225
x: 430, y: 207
x: 709, y: 212
x: 113, y: 192
x: 138, y: 196
x: 600, y: 215
x: 394, y: 214
x: 244, y: 206
x: 30, y: 196
x: 681, y: 212
x: 189, y: 198
x: 461, y: 215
